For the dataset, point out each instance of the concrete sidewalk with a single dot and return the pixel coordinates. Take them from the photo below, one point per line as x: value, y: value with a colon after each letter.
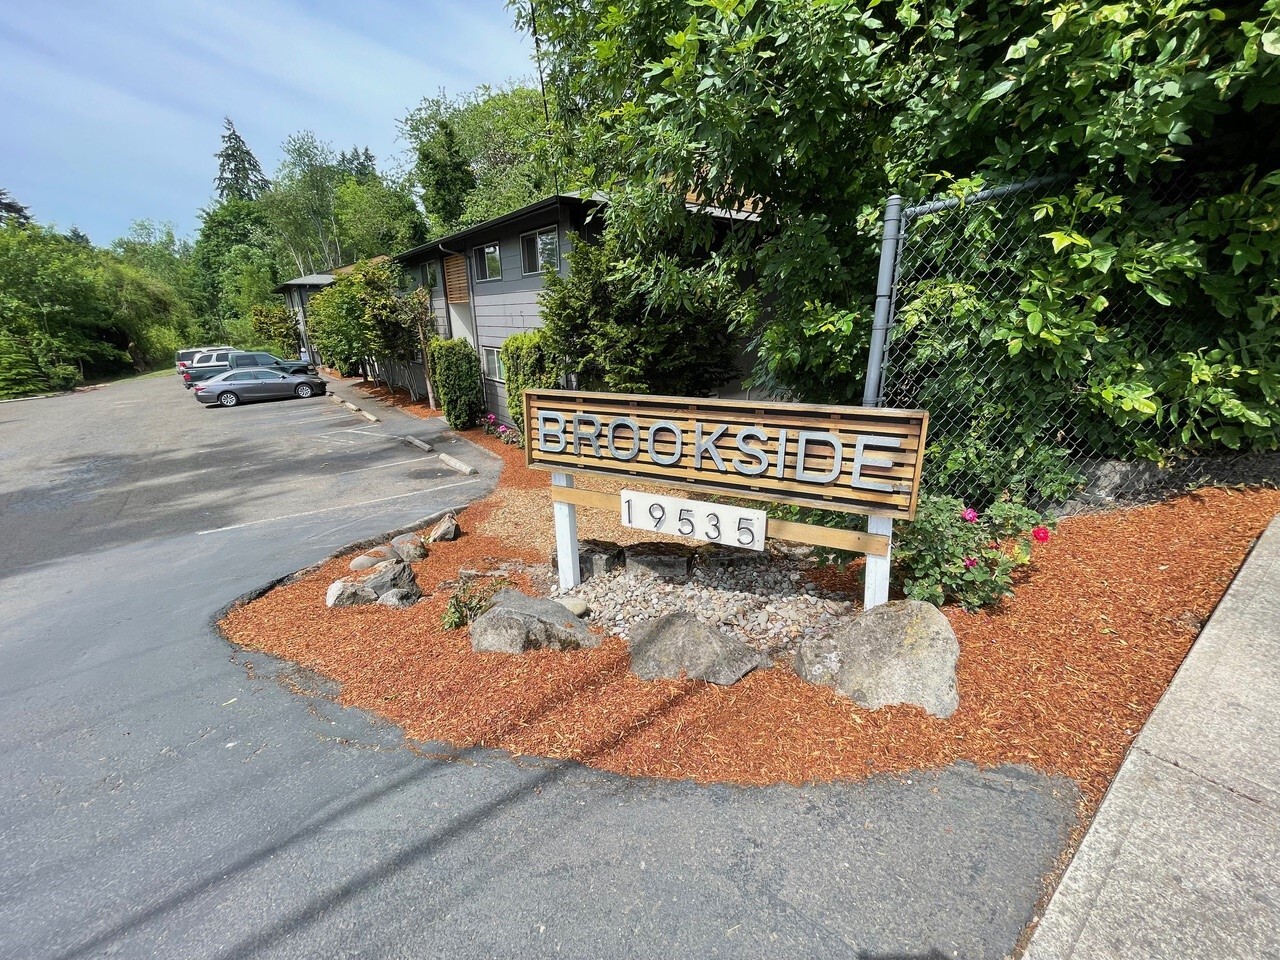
x: 1183, y: 859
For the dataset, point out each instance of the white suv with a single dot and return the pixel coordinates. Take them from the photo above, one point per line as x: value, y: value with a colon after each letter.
x: 206, y: 365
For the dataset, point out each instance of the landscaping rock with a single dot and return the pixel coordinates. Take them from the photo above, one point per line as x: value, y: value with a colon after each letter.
x: 347, y: 593
x: 446, y: 529
x: 389, y: 575
x: 399, y: 598
x: 900, y: 652
x: 678, y: 643
x: 713, y: 557
x: 575, y: 606
x: 371, y: 558
x: 818, y: 659
x: 665, y: 560
x: 769, y: 607
x: 595, y: 558
x: 408, y: 546
x: 516, y: 622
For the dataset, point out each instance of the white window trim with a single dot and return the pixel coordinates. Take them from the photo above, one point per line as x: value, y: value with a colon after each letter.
x: 486, y: 246
x: 537, y: 233
x: 497, y: 352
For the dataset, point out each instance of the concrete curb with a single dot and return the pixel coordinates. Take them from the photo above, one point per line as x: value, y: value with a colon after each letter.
x: 353, y: 408
x: 39, y: 396
x: 420, y: 444
x: 453, y: 463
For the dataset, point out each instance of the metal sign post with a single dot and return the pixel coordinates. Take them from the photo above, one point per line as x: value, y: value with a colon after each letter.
x: 566, y: 514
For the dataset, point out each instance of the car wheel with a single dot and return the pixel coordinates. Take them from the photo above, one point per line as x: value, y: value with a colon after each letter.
x: 304, y: 390
x: 228, y: 399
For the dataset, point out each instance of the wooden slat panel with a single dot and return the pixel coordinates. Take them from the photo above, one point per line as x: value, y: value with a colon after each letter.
x: 455, y: 279
x: 778, y: 424
x: 854, y: 541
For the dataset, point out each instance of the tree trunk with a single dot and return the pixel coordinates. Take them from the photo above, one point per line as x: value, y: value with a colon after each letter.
x: 426, y: 366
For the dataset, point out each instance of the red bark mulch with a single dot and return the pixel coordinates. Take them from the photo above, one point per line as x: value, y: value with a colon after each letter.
x: 1061, y: 677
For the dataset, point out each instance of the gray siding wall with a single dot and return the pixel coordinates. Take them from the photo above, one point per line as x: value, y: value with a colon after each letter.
x: 510, y: 305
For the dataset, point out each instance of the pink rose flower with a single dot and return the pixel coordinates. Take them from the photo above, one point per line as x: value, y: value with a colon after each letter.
x: 970, y: 563
x: 969, y: 515
x: 1040, y: 534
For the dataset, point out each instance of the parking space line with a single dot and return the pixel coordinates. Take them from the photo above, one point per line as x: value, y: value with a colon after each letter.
x: 372, y: 433
x: 379, y: 466
x: 335, y: 416
x: 341, y: 506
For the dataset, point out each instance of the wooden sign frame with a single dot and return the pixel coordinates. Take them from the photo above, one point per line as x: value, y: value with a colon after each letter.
x: 864, y: 460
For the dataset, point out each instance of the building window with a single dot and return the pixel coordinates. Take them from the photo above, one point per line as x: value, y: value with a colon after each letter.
x: 493, y: 368
x: 488, y: 262
x: 540, y: 251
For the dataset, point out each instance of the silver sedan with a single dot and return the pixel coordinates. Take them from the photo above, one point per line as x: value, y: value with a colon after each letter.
x: 230, y: 388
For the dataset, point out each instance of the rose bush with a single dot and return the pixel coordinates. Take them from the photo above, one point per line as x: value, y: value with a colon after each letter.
x: 952, y: 553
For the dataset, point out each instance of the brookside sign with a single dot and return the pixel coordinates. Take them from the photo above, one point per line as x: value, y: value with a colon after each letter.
x: 862, y: 460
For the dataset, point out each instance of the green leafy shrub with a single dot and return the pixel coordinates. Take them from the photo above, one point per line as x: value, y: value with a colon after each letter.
x: 360, y: 315
x: 455, y: 367
x: 642, y: 321
x: 276, y: 328
x: 528, y: 367
x: 19, y: 372
x: 63, y: 376
x: 952, y: 553
x: 469, y: 600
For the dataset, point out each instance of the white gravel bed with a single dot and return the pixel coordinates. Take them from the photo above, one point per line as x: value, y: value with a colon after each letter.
x: 769, y: 607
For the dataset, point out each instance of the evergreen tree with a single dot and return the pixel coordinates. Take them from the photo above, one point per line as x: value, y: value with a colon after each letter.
x: 11, y: 211
x: 78, y: 236
x: 240, y: 176
x: 358, y: 163
x: 19, y: 372
x: 446, y: 177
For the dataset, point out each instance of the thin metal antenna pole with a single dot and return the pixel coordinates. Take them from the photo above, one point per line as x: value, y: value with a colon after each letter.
x: 542, y: 87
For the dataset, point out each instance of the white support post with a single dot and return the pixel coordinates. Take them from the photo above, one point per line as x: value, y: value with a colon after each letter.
x: 876, y: 587
x: 566, y: 536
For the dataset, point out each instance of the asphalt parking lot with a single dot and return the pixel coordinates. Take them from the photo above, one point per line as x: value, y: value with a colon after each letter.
x: 162, y: 794
x: 143, y: 459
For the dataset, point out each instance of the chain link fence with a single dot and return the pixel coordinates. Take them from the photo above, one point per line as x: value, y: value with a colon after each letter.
x: 959, y: 284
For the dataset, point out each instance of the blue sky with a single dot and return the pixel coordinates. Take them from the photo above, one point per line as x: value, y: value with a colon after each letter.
x: 112, y: 111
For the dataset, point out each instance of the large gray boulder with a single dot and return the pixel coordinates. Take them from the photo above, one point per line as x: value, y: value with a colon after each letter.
x: 389, y: 575
x: 516, y: 622
x: 446, y: 529
x: 347, y: 593
x: 900, y: 652
x: 399, y: 598
x: 679, y: 643
x: 371, y: 558
x: 408, y: 547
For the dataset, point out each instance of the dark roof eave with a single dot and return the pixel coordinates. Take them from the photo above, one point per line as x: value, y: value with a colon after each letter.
x: 310, y: 280
x: 528, y: 210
